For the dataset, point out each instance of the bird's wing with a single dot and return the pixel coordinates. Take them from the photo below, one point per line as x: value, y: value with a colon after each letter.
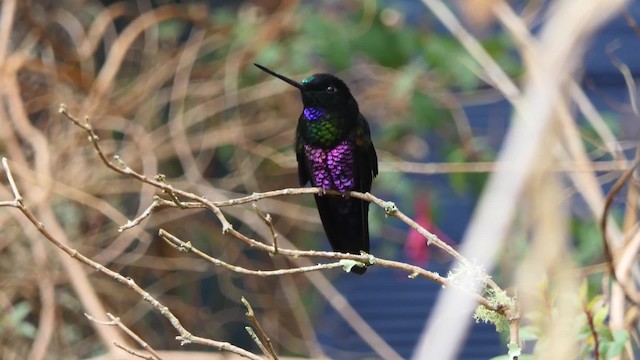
x: 366, y: 157
x: 303, y: 166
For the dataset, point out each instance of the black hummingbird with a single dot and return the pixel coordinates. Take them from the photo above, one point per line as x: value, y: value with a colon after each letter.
x: 334, y: 151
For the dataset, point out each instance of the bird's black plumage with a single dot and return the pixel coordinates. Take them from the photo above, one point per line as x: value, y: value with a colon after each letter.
x: 334, y: 151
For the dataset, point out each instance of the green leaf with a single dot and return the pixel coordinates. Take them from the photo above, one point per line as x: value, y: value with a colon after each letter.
x: 620, y: 335
x: 600, y: 315
x: 614, y: 349
x: 27, y: 330
x: 19, y: 312
x: 620, y: 338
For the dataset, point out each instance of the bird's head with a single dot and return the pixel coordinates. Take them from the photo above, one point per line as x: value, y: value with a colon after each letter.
x: 322, y: 93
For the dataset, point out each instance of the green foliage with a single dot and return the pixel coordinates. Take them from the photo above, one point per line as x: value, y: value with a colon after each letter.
x: 427, y: 112
x: 464, y: 182
x: 593, y: 327
x: 14, y: 321
x: 449, y: 60
x: 170, y: 30
x: 329, y: 39
x: 588, y: 242
x: 389, y: 47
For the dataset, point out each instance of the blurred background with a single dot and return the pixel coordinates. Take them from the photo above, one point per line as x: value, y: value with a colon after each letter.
x: 171, y: 88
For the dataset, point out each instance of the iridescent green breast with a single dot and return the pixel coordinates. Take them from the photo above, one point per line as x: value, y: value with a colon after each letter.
x: 324, y: 132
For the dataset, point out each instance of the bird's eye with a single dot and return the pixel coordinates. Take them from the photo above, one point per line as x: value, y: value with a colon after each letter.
x: 331, y: 89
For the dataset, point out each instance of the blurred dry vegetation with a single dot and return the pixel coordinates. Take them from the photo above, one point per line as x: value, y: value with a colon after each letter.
x: 171, y: 89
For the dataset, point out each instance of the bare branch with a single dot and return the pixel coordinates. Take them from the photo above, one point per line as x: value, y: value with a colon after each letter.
x: 389, y: 208
x: 185, y: 336
x: 188, y: 247
x: 262, y: 335
x: 134, y: 353
x: 115, y: 321
x: 12, y: 182
x: 267, y: 220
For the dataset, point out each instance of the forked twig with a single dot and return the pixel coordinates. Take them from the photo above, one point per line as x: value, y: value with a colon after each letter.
x: 115, y: 321
x: 261, y: 338
x: 269, y: 222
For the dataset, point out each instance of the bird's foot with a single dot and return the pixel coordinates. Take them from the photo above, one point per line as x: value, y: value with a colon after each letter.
x: 322, y: 191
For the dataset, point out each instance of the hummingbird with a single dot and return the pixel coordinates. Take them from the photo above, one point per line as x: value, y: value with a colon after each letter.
x: 334, y: 152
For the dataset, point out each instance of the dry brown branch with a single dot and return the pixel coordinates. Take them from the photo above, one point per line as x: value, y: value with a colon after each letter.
x: 115, y: 321
x: 183, y: 246
x: 268, y: 221
x: 263, y: 339
x: 159, y: 182
x: 389, y: 208
x: 133, y: 352
x: 185, y: 337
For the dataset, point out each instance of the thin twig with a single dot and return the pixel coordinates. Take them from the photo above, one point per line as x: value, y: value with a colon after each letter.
x: 626, y: 73
x: 115, y: 321
x: 157, y: 202
x: 594, y: 332
x: 268, y: 348
x: 269, y: 222
x: 183, y: 246
x: 12, y: 183
x: 133, y: 352
x: 256, y: 339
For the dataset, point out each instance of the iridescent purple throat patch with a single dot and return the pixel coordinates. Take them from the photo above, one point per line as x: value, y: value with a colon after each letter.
x: 313, y: 113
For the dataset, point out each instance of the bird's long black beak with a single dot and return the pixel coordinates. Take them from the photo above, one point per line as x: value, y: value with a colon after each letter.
x: 281, y: 77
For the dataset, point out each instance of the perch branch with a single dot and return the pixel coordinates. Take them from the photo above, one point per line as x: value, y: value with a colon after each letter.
x: 389, y: 208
